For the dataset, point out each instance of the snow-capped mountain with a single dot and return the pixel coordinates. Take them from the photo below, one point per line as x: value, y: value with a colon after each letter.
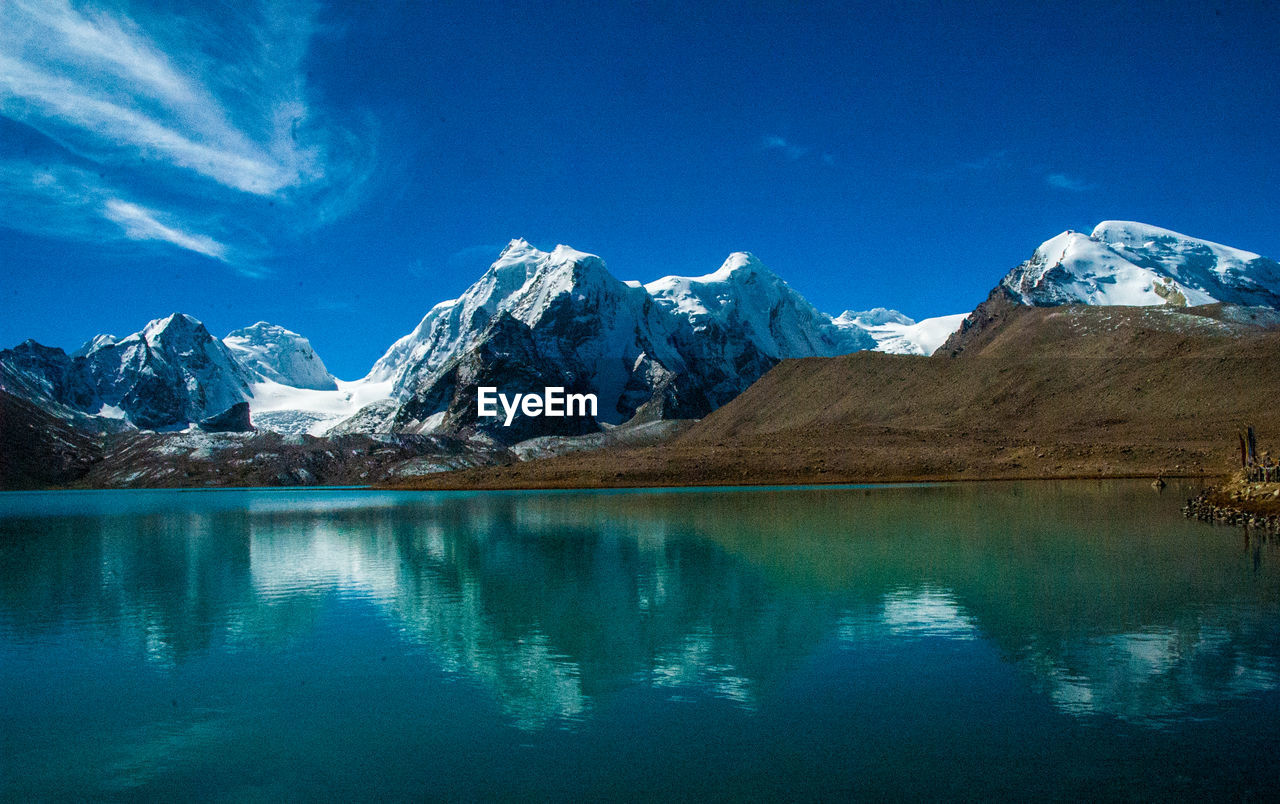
x: 169, y: 374
x: 1128, y: 263
x: 534, y: 318
x: 895, y: 333
x: 539, y: 290
x: 272, y: 353
x: 746, y: 298
x: 172, y: 373
x: 677, y: 347
x: 875, y: 317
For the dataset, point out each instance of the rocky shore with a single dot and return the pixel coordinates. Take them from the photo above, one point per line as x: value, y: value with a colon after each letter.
x: 1238, y: 502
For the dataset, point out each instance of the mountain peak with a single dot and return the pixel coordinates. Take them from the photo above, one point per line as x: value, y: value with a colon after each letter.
x: 739, y: 265
x: 567, y: 254
x: 272, y: 353
x: 1131, y: 263
x: 95, y: 343
x: 1132, y: 234
x: 178, y: 322
x: 518, y: 246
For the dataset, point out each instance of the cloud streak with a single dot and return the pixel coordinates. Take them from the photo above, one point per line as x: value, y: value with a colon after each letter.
x: 1061, y: 181
x: 139, y: 223
x: 794, y: 152
x: 788, y: 149
x: 195, y: 113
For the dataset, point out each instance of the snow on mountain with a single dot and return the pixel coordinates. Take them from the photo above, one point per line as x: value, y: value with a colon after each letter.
x: 678, y: 347
x: 921, y: 338
x: 46, y: 376
x: 1128, y: 263
x: 683, y: 344
x: 93, y: 343
x: 451, y: 325
x: 291, y: 390
x: 895, y: 333
x: 274, y: 354
x: 876, y: 316
x: 284, y: 408
x: 748, y: 299
x: 557, y: 316
x: 173, y: 373
x: 170, y: 373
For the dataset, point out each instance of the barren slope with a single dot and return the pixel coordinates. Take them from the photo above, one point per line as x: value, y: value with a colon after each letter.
x: 1068, y: 391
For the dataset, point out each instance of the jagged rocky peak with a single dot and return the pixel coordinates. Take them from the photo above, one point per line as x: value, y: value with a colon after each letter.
x: 561, y: 271
x: 524, y: 282
x: 169, y: 374
x: 271, y: 353
x: 44, y: 374
x: 559, y: 315
x: 680, y: 345
x: 1131, y: 263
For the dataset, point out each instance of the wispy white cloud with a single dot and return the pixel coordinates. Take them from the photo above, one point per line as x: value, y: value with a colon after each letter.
x: 1061, y: 181
x: 782, y: 145
x: 71, y: 203
x: 195, y: 112
x: 140, y: 223
x: 102, y: 86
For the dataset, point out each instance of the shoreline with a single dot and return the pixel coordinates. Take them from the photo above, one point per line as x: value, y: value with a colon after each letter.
x: 514, y: 480
x: 1238, y: 502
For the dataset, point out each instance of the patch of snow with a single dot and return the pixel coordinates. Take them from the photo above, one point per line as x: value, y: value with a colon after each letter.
x: 874, y: 317
x: 899, y: 335
x: 110, y: 412
x: 286, y: 409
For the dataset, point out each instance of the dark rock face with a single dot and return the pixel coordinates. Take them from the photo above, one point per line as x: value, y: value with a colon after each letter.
x: 721, y: 365
x: 985, y: 318
x: 35, y: 371
x: 234, y: 419
x: 38, y: 449
x: 507, y: 357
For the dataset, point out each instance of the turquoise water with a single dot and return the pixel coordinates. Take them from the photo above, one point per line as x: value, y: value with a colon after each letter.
x: 1052, y: 639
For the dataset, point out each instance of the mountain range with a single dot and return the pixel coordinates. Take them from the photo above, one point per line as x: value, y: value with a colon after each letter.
x: 677, y: 348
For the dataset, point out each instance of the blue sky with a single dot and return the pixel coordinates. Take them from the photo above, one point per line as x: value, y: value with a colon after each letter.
x: 339, y: 168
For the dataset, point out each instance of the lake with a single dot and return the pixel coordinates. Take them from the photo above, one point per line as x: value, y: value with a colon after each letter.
x: 1067, y: 640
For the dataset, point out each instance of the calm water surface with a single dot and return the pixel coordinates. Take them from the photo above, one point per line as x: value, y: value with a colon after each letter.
x: 1063, y: 640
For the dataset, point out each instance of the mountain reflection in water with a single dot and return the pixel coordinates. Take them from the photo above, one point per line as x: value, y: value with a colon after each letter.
x: 556, y: 606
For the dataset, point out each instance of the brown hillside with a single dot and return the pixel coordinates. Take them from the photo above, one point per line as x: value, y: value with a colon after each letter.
x: 1035, y: 392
